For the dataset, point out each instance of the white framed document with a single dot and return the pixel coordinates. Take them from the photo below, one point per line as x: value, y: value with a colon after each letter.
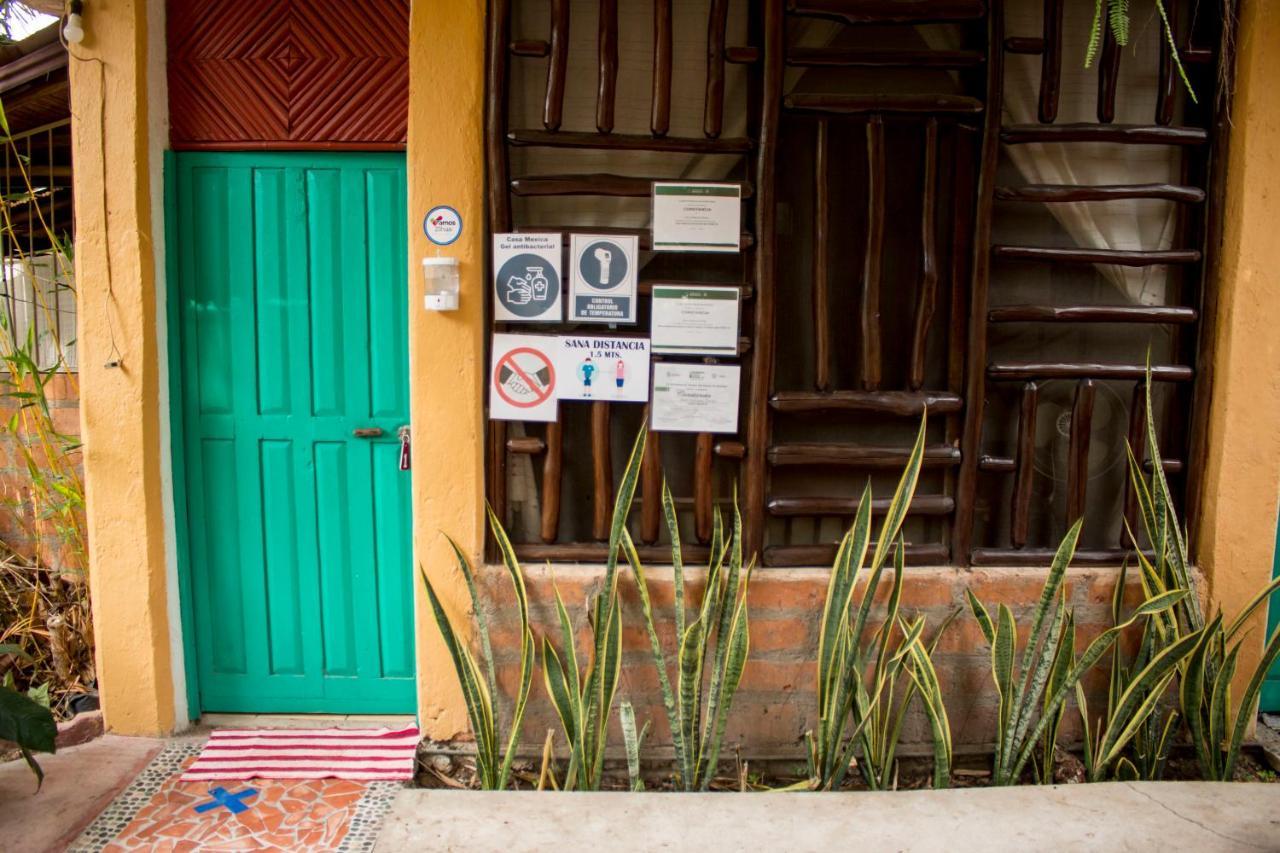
x: 691, y: 320
x: 695, y: 397
x: 696, y: 217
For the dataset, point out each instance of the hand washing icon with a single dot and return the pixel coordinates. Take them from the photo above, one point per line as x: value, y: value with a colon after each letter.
x: 531, y: 287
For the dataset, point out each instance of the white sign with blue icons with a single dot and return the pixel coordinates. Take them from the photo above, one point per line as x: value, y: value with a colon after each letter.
x: 597, y: 367
x: 526, y: 269
x: 602, y: 278
x: 442, y: 225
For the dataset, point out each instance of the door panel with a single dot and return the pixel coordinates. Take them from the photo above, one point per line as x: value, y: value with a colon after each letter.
x: 293, y: 333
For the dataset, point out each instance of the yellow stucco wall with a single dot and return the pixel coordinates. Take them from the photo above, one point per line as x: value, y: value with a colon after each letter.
x: 1242, y: 484
x: 122, y: 418
x: 446, y: 349
x: 120, y: 406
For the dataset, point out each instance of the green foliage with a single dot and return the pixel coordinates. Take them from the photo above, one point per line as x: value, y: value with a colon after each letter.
x: 860, y: 706
x: 1038, y: 685
x: 54, y: 483
x: 44, y: 602
x: 1205, y: 692
x: 1206, y: 674
x: 632, y: 740
x: 493, y: 761
x: 1114, y: 15
x: 698, y: 709
x: 1131, y: 741
x: 30, y: 725
x: 583, y: 700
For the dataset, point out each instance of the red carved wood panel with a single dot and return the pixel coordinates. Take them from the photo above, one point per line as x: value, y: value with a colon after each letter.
x: 288, y: 73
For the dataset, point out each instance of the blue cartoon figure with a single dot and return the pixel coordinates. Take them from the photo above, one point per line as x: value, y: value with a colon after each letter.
x: 585, y: 371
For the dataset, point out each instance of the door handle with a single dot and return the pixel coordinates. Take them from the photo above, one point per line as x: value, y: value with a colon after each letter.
x: 367, y: 432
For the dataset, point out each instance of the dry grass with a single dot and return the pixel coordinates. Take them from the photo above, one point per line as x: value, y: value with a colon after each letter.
x: 46, y: 615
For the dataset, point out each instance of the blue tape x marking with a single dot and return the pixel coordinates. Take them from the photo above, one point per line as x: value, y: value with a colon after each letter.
x: 233, y: 802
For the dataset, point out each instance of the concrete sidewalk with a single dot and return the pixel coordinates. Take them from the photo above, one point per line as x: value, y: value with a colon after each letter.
x: 1192, y: 816
x: 79, y: 782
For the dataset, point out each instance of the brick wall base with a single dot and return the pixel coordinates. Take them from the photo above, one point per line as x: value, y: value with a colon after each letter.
x: 21, y: 527
x: 776, y: 703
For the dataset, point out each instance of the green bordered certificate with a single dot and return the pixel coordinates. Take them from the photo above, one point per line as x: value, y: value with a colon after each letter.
x: 695, y: 320
x: 696, y: 217
x: 695, y: 397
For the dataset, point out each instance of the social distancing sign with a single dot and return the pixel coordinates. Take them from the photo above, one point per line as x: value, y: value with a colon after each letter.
x: 602, y: 280
x: 596, y: 367
x: 527, y: 282
x: 523, y: 377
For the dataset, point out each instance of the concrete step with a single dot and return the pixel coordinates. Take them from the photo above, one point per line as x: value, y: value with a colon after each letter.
x: 1117, y: 816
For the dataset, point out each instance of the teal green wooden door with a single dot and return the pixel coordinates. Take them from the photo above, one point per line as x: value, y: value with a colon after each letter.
x: 292, y: 306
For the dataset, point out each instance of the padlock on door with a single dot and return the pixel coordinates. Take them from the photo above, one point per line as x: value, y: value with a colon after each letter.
x: 404, y: 448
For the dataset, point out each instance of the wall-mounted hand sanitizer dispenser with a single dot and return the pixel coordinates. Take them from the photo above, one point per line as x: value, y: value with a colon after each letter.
x: 440, y: 276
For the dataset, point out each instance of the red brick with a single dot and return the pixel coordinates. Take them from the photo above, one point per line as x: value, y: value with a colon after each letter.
x: 792, y: 590
x: 931, y: 590
x: 963, y: 635
x: 641, y: 678
x: 63, y: 386
x: 964, y: 677
x: 788, y: 634
x: 66, y: 421
x: 661, y: 588
x: 765, y: 676
x: 1008, y: 586
x: 973, y: 721
x: 770, y: 723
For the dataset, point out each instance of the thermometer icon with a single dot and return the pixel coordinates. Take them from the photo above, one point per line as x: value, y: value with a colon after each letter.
x: 603, y: 257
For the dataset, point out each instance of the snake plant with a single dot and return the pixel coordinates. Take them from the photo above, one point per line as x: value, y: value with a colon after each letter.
x: 583, y: 699
x: 493, y: 761
x: 1206, y: 675
x: 1131, y: 740
x: 633, y: 740
x: 859, y: 705
x: 1033, y: 691
x: 711, y: 650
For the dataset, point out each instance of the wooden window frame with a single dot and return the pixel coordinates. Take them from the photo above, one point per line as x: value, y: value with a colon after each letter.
x: 978, y: 130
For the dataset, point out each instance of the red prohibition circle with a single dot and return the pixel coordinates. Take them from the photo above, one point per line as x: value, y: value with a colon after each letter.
x: 508, y: 359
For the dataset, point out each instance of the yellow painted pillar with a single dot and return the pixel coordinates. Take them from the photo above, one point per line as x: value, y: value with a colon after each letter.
x: 1242, y: 488
x: 120, y: 368
x: 446, y: 349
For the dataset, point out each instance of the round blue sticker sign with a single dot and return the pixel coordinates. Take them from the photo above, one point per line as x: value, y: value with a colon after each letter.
x: 442, y: 225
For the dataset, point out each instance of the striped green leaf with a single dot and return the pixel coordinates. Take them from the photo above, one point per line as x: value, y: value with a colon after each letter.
x: 1249, y: 703
x: 739, y: 644
x: 1002, y: 672
x: 677, y: 559
x: 631, y: 740
x: 980, y: 613
x: 1096, y: 649
x: 1142, y: 695
x: 474, y: 692
x: 1220, y: 710
x: 659, y: 658
x: 925, y: 679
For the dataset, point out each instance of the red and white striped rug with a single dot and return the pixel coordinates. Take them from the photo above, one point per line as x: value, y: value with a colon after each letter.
x: 357, y: 754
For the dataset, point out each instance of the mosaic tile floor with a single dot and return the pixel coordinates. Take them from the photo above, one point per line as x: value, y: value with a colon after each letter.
x: 157, y: 813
